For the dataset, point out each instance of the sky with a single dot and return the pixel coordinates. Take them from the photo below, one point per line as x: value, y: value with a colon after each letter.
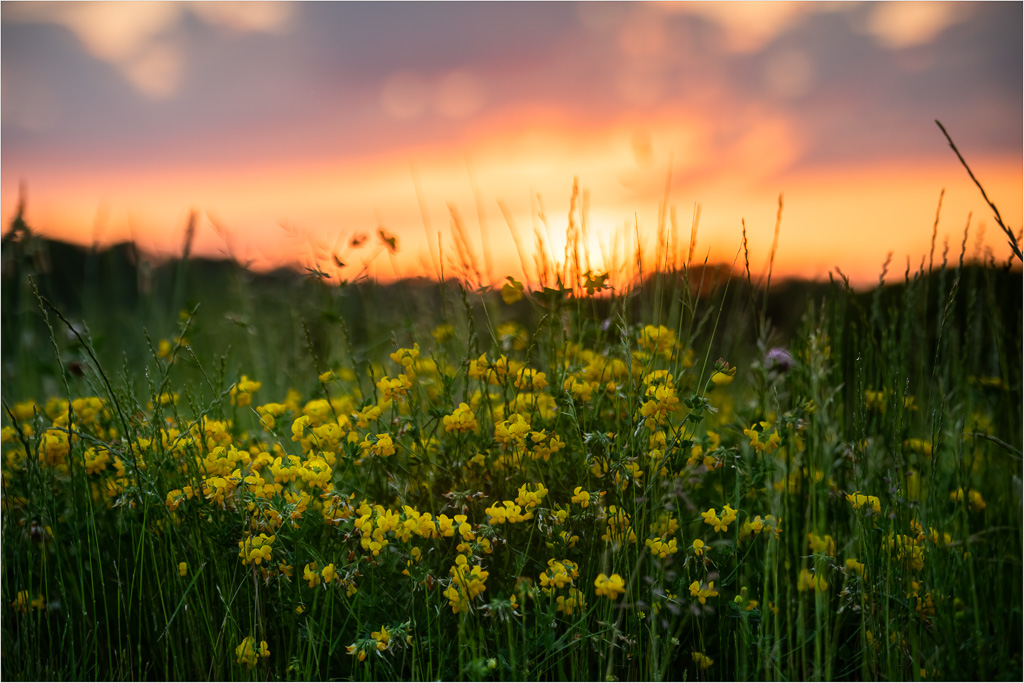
x: 296, y: 132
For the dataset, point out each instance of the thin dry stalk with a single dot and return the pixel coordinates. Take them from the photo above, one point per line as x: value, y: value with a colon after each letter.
x: 462, y: 247
x: 1012, y: 239
x: 510, y: 222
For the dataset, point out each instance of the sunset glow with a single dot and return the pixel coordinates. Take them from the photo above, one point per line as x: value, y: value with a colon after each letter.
x: 286, y: 153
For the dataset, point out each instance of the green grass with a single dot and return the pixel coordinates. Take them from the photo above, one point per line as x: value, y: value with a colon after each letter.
x: 907, y: 393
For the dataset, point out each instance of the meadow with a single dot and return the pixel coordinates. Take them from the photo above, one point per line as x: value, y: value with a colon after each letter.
x: 214, y: 474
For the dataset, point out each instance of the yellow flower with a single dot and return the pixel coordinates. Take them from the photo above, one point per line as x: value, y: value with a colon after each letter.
x: 241, y: 392
x: 711, y: 519
x: 360, y: 653
x: 559, y: 574
x: 702, y: 592
x: 659, y: 340
x: 310, y: 574
x: 182, y: 568
x: 723, y: 376
x: 581, y: 497
x: 575, y: 602
x: 771, y: 441
x: 443, y: 332
x: 977, y: 503
x: 857, y: 500
x: 819, y: 544
x: 383, y: 638
x: 702, y: 660
x: 461, y: 420
x: 512, y: 291
x: 22, y: 602
x: 379, y: 445
x: 255, y: 549
x: 854, y: 566
x: 407, y: 357
x: 698, y: 547
x: 661, y: 548
x: 728, y: 516
x: 609, y: 586
x: 248, y: 653
x: 394, y: 389
x: 807, y: 581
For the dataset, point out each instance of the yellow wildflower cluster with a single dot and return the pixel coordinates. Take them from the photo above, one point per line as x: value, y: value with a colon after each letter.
x: 610, y: 587
x: 859, y: 500
x: 719, y: 524
x: 754, y: 527
x: 821, y: 544
x: 662, y: 548
x: 657, y: 340
x: 910, y: 550
x: 806, y: 581
x: 574, y: 602
x: 255, y: 549
x: 702, y: 660
x: 22, y: 602
x: 974, y: 498
x: 559, y: 574
x: 617, y: 526
x: 249, y: 653
x: 461, y: 420
x: 662, y: 402
x: 507, y: 512
x: 703, y: 591
x: 581, y: 497
x: 394, y: 389
x: 763, y: 437
x: 407, y: 358
x: 467, y: 583
x: 242, y: 391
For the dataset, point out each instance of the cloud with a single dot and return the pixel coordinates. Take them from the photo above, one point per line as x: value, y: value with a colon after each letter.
x: 459, y: 94
x: 752, y: 28
x: 897, y: 25
x: 142, y: 39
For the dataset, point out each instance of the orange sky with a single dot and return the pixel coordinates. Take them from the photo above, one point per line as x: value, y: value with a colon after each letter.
x: 278, y: 191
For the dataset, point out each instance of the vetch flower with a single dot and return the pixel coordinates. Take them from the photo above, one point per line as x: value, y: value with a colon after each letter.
x: 661, y: 548
x: 778, y: 361
x: 581, y: 497
x: 702, y: 660
x: 575, y: 601
x: 241, y: 392
x: 807, y: 581
x: 383, y: 638
x: 712, y: 519
x: 977, y: 503
x: 461, y: 420
x: 255, y: 549
x: 609, y: 586
x: 858, y: 500
x: 761, y: 439
x: 22, y: 602
x: 701, y: 592
x: 248, y: 653
x: 311, y: 575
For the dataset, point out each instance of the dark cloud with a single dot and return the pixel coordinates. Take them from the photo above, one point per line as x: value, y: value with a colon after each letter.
x: 314, y: 87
